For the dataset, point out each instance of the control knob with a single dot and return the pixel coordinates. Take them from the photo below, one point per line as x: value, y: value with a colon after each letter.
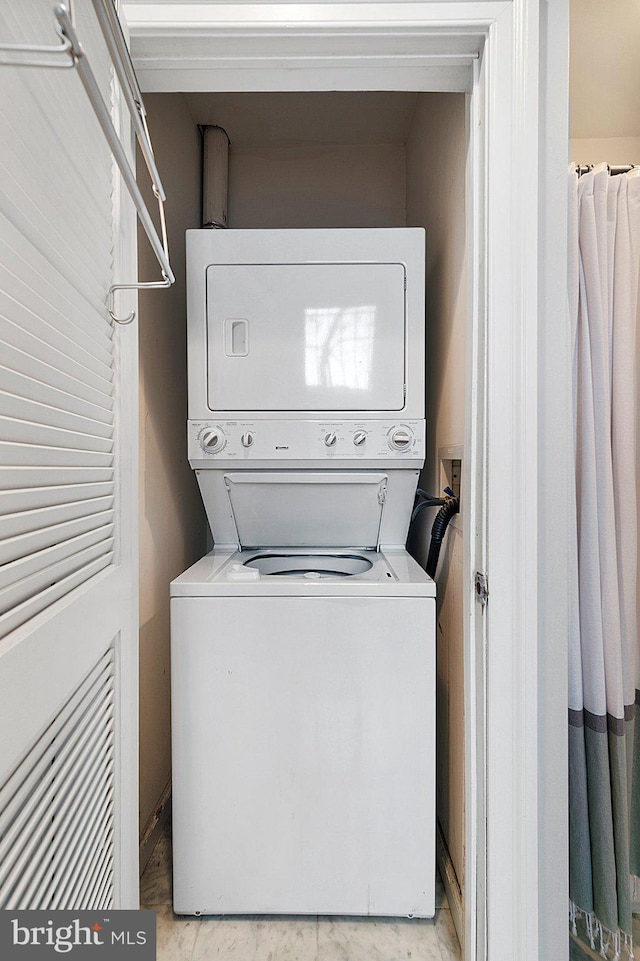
x: 212, y: 440
x: 400, y: 438
x: 359, y: 437
x: 247, y: 439
x: 331, y: 438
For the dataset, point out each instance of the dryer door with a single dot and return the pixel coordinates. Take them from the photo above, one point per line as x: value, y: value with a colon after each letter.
x: 306, y: 337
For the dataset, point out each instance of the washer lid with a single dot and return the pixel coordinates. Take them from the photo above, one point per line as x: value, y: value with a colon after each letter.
x: 301, y: 509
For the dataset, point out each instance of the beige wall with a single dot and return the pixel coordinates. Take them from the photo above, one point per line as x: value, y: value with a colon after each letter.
x: 613, y: 150
x: 172, y: 522
x: 605, y: 69
x: 604, y: 79
x: 436, y: 155
x: 326, y: 185
x: 312, y: 159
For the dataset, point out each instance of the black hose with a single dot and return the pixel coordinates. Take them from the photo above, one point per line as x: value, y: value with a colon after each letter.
x: 423, y: 504
x: 450, y: 507
x: 424, y: 500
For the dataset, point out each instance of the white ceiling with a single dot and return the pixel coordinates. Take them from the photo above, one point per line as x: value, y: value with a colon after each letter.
x: 307, y: 118
x: 605, y: 68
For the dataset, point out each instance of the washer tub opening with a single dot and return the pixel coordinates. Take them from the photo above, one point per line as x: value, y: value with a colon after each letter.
x: 322, y: 565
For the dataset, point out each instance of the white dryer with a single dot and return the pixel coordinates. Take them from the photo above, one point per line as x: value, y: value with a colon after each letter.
x: 303, y: 685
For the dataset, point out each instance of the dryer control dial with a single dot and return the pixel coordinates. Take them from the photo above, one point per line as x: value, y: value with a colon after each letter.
x: 212, y: 440
x: 359, y: 438
x: 400, y: 438
x: 247, y: 439
x: 331, y: 438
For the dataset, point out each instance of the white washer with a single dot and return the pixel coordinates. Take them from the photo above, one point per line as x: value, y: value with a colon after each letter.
x: 303, y: 684
x: 304, y: 734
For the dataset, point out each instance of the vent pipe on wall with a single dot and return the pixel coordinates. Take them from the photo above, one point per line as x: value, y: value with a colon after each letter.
x: 215, y: 176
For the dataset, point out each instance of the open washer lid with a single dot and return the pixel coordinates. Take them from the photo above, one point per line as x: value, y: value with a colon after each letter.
x: 300, y: 509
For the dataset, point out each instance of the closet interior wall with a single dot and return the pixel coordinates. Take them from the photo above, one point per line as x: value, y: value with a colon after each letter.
x: 436, y: 198
x: 172, y: 522
x: 304, y: 160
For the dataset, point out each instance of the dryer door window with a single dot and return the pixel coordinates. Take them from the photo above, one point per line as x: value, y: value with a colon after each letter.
x: 306, y: 337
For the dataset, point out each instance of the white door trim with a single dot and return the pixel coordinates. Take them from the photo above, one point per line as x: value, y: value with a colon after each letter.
x: 125, y: 265
x: 475, y: 540
x: 280, y: 47
x: 511, y: 472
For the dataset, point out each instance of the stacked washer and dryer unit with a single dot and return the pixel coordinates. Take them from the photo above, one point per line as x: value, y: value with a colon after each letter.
x: 303, y: 678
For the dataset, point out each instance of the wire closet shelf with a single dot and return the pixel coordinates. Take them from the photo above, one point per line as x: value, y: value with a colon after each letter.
x: 68, y: 53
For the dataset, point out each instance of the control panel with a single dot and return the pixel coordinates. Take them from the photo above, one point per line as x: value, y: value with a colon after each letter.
x: 287, y: 440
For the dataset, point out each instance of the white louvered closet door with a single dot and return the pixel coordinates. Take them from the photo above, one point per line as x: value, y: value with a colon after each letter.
x: 68, y: 582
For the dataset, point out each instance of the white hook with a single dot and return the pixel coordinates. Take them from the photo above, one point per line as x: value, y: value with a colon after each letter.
x: 153, y: 285
x: 123, y: 321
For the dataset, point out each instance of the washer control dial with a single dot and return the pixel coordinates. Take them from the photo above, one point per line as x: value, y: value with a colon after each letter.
x: 359, y: 438
x: 247, y: 439
x: 331, y: 438
x: 400, y: 438
x: 212, y: 439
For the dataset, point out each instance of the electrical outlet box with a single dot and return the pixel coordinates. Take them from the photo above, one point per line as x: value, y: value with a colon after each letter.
x: 452, y: 470
x: 451, y: 473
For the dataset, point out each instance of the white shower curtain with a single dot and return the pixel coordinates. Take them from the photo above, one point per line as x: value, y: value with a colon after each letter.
x: 604, y: 254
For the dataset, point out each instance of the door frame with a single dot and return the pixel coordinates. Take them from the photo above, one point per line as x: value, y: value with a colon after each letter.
x: 125, y: 265
x: 511, y: 59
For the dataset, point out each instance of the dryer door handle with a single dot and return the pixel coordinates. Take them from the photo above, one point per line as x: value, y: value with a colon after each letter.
x: 236, y: 337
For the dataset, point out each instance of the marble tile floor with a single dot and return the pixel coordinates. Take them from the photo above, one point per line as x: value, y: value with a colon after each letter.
x: 290, y: 938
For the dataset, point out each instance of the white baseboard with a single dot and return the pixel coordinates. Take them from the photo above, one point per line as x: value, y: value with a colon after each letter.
x: 451, y: 885
x: 155, y: 826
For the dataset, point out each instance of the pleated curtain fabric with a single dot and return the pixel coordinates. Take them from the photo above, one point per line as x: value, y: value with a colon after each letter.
x: 604, y: 685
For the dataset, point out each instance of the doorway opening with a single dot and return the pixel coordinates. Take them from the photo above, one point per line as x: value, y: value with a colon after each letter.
x: 303, y: 160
